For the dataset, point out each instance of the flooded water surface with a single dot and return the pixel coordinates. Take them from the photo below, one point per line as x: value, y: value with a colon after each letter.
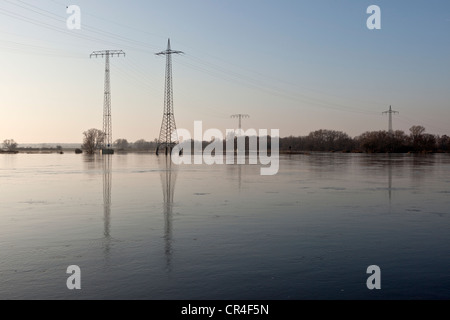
x: 140, y: 227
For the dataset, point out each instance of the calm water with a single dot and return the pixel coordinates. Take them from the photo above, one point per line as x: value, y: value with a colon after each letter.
x: 142, y: 229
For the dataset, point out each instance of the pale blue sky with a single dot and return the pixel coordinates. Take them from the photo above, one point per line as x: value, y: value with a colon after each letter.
x: 294, y: 65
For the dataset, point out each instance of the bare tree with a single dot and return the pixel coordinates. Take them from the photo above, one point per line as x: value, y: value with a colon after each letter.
x: 444, y: 143
x: 417, y: 131
x: 9, y: 145
x: 121, y: 144
x: 93, y: 140
x: 142, y: 145
x: 417, y: 134
x: 328, y: 140
x: 428, y: 143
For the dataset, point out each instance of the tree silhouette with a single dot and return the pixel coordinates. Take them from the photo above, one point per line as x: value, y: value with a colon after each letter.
x: 9, y: 145
x: 93, y: 140
x: 121, y: 144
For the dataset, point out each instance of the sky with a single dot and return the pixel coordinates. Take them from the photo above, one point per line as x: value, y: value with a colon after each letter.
x: 292, y: 65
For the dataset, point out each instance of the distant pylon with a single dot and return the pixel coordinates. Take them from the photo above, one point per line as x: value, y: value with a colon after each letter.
x: 167, y: 136
x: 390, y: 112
x: 107, y: 121
x: 240, y: 117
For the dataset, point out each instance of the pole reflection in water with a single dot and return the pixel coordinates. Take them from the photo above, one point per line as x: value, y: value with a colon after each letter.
x: 168, y: 179
x: 390, y: 178
x: 239, y: 160
x: 236, y: 168
x: 107, y: 177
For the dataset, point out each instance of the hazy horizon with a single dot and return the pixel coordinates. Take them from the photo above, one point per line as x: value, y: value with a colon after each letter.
x: 25, y: 144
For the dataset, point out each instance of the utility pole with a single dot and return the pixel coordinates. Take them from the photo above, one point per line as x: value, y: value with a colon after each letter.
x: 390, y: 112
x: 167, y: 136
x: 240, y: 117
x: 107, y: 121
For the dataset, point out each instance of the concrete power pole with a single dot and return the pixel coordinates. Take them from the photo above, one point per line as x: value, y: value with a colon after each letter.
x: 390, y: 112
x: 240, y: 117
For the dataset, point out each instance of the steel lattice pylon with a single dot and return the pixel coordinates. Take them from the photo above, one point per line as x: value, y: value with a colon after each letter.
x: 107, y: 121
x: 168, y: 137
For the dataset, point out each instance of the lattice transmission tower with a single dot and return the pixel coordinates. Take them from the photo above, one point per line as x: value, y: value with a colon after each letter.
x: 168, y: 137
x: 390, y: 112
x: 107, y: 121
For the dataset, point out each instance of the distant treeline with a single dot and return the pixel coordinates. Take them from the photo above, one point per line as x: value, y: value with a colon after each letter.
x: 139, y: 145
x: 416, y: 141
